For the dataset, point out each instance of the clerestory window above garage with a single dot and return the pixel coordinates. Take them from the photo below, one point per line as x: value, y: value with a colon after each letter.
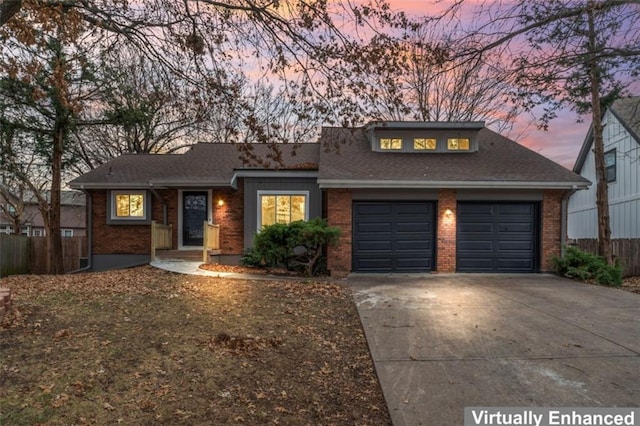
x: 423, y: 137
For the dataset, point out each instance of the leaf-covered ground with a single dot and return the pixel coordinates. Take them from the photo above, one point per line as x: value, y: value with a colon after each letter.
x: 144, y: 346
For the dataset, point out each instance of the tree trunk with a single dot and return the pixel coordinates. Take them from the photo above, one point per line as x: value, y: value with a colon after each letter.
x: 602, y: 189
x: 54, y: 246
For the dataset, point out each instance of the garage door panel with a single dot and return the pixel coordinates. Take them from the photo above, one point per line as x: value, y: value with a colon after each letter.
x: 413, y: 245
x: 413, y: 227
x: 476, y: 209
x: 470, y: 246
x: 414, y: 264
x: 478, y: 265
x: 514, y: 265
x: 516, y: 227
x: 520, y: 246
x: 363, y: 210
x: 374, y: 228
x: 393, y: 236
x: 481, y: 228
x: 503, y: 241
x: 515, y: 209
x: 377, y: 245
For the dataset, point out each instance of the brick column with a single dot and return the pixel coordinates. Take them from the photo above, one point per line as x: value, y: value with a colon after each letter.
x: 446, y: 231
x: 339, y: 204
x: 551, y: 228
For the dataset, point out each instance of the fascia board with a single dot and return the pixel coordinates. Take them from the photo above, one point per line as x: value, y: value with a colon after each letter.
x: 412, y: 184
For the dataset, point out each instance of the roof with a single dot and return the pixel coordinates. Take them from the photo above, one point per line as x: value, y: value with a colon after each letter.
x: 205, y: 164
x: 342, y: 159
x: 499, y: 163
x: 627, y: 112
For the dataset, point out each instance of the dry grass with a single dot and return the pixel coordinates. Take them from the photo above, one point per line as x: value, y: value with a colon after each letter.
x: 144, y: 346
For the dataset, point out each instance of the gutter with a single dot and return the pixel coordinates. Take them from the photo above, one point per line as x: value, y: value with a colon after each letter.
x: 89, y: 233
x: 414, y: 184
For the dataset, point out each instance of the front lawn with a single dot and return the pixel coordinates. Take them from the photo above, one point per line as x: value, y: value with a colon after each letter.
x: 144, y: 346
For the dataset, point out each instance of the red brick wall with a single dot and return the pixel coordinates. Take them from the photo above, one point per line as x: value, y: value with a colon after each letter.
x: 446, y: 231
x: 130, y: 239
x: 339, y: 204
x: 551, y: 228
x: 230, y: 217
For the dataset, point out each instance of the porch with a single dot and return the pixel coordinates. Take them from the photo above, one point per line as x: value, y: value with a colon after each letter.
x: 162, y: 247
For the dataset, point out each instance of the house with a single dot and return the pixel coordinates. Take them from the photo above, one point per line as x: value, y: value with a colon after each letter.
x: 621, y: 134
x: 408, y: 196
x: 72, y: 214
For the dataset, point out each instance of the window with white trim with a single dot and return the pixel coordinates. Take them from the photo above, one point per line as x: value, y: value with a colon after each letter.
x: 282, y: 207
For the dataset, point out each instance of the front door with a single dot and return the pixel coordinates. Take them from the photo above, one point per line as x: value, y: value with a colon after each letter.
x: 194, y: 213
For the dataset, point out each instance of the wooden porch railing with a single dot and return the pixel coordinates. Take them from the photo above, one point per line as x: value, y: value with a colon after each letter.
x: 211, y: 240
x: 161, y: 237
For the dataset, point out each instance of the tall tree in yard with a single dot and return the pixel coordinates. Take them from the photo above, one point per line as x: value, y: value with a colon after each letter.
x: 581, y: 54
x: 45, y: 81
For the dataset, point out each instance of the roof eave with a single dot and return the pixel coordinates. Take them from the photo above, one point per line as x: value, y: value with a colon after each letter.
x: 414, y: 184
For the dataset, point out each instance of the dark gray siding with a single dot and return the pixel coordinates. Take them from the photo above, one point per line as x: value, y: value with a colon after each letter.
x: 253, y: 185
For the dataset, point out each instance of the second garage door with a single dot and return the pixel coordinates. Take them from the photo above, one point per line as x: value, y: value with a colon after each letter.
x: 497, y: 237
x: 393, y: 236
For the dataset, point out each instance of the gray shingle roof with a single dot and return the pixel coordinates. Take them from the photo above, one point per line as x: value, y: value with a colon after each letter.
x: 343, y: 158
x: 499, y: 162
x: 204, y: 164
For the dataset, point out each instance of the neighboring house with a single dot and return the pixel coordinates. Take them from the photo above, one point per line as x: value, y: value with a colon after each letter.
x: 72, y: 216
x: 408, y: 197
x: 621, y: 136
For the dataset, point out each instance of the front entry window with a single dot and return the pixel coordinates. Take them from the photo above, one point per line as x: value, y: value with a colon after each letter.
x: 282, y: 208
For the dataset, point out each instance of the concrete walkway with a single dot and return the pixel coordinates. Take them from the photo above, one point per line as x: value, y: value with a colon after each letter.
x: 444, y: 342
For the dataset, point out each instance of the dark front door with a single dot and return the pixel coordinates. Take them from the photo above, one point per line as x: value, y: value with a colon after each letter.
x: 393, y: 236
x: 497, y: 237
x: 194, y: 213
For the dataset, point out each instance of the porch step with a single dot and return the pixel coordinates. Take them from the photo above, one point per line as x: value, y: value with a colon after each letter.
x: 183, y: 255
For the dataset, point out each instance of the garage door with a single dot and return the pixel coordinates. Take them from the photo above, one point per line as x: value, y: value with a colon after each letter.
x: 497, y: 237
x: 393, y: 236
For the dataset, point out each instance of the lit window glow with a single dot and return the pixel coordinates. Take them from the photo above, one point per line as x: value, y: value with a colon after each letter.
x: 420, y: 144
x: 285, y: 208
x: 458, y: 144
x: 389, y: 143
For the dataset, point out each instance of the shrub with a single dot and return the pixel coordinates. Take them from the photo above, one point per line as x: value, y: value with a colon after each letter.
x: 586, y: 266
x: 297, y: 246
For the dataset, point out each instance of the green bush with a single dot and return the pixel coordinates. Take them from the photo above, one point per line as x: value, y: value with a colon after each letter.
x: 586, y: 266
x: 298, y: 246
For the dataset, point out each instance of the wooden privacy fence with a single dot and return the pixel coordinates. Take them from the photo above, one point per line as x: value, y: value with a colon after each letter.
x: 627, y: 251
x: 14, y: 255
x: 73, y: 248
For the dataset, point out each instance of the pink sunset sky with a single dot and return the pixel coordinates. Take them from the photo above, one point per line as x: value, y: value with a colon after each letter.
x: 564, y: 137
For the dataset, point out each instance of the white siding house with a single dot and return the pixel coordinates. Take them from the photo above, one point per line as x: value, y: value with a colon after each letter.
x: 622, y: 158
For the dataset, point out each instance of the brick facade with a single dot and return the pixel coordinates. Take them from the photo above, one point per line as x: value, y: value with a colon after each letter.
x: 446, y: 231
x: 339, y: 205
x: 230, y: 217
x: 551, y: 228
x: 129, y: 239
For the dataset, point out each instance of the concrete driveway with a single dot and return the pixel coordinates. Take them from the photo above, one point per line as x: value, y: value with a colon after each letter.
x: 444, y: 342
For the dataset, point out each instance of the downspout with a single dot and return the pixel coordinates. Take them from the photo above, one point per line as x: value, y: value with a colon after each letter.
x: 89, y: 202
x: 563, y: 222
x: 165, y: 216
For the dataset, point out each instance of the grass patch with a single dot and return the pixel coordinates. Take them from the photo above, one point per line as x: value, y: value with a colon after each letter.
x: 144, y: 346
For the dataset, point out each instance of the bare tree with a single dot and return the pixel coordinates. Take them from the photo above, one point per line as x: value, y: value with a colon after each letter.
x: 566, y: 53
